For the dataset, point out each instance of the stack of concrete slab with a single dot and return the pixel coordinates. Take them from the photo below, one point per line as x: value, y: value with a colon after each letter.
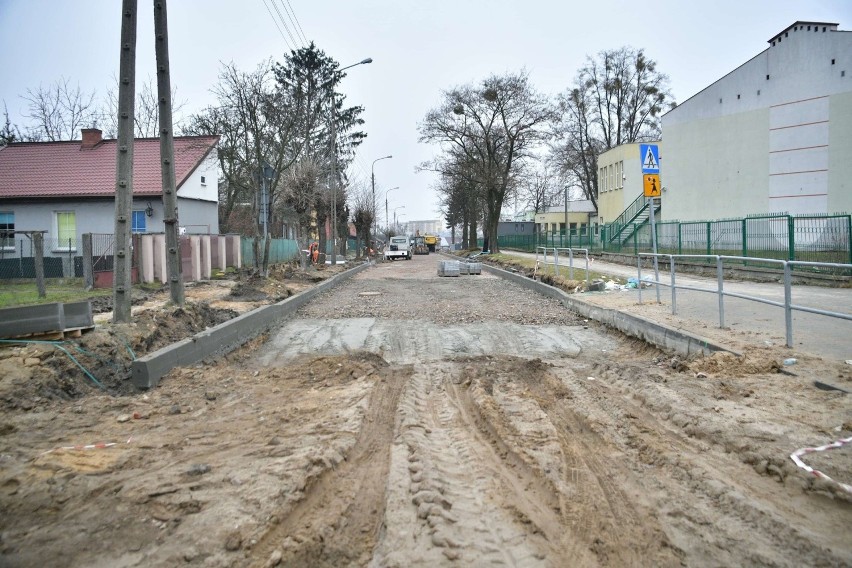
x: 41, y: 319
x: 474, y: 268
x: 463, y: 268
x: 448, y: 268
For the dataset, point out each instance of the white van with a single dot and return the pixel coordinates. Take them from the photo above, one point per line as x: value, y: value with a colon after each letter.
x: 398, y: 247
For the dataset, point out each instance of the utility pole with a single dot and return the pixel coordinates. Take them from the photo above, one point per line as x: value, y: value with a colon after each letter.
x: 333, y: 183
x: 124, y: 165
x: 167, y: 154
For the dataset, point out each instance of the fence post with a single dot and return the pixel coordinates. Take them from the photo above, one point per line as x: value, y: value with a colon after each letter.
x: 38, y: 241
x: 745, y: 237
x: 720, y: 284
x: 788, y: 300
x: 88, y: 273
x: 791, y: 240
x: 709, y: 229
x: 679, y: 238
x: 849, y: 236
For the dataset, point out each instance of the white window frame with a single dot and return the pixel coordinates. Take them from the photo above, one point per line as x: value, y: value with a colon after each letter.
x: 59, y: 247
x: 9, y: 248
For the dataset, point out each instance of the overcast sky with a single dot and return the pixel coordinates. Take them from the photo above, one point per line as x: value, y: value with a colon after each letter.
x: 419, y: 48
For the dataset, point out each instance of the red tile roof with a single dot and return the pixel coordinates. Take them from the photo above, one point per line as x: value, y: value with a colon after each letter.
x: 65, y: 169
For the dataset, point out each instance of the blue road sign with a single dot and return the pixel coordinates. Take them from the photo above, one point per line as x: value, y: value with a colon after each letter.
x: 650, y: 154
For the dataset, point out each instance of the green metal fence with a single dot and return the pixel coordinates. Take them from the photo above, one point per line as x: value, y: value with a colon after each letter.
x: 280, y: 250
x: 812, y: 238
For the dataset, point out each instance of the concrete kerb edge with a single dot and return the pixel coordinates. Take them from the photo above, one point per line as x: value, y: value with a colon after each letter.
x: 219, y: 340
x: 662, y: 336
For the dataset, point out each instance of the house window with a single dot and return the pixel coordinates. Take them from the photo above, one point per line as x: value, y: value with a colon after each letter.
x: 66, y: 230
x: 7, y: 230
x: 203, y: 180
x: 573, y: 227
x: 139, y: 222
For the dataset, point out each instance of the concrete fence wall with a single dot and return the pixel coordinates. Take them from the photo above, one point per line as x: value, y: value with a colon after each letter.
x: 200, y: 255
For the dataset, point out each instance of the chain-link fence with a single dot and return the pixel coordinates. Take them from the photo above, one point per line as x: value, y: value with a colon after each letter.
x: 62, y: 259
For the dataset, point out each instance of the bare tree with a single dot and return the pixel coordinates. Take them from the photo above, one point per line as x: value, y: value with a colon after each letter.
x: 540, y: 190
x: 361, y: 204
x: 617, y: 98
x: 272, y: 119
x: 59, y: 111
x: 146, y: 114
x: 495, y: 125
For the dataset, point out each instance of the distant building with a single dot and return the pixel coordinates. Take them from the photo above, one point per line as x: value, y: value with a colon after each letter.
x: 513, y: 228
x: 580, y: 218
x: 620, y: 180
x: 773, y: 135
x: 425, y: 227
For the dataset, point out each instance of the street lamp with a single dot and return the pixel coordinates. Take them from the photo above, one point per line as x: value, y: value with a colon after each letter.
x: 394, y: 214
x: 373, y: 179
x: 334, y: 167
x: 387, y: 217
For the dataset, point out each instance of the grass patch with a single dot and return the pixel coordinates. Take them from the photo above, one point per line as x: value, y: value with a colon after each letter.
x: 59, y: 291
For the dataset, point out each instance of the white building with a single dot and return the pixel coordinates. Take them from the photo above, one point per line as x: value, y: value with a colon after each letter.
x: 773, y: 135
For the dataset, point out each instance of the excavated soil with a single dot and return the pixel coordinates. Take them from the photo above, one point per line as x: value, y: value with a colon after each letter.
x: 403, y: 419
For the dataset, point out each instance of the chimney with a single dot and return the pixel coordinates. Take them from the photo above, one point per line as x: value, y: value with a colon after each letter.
x: 91, y: 138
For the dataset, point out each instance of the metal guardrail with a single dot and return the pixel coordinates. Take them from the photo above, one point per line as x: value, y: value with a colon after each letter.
x: 556, y: 254
x: 787, y: 267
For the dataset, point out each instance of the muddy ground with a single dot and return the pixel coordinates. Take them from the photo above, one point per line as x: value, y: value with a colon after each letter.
x: 408, y: 420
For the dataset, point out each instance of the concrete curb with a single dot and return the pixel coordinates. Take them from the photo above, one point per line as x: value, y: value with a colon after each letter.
x: 148, y: 370
x: 662, y: 336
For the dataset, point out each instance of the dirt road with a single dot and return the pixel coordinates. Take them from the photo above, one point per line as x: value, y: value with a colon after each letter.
x: 408, y: 420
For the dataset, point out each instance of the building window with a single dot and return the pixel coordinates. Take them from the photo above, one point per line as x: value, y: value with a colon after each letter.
x: 66, y: 230
x: 139, y: 224
x: 203, y: 180
x: 7, y: 230
x: 573, y: 227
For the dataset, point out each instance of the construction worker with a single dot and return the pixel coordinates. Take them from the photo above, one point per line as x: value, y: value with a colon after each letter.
x: 314, y: 248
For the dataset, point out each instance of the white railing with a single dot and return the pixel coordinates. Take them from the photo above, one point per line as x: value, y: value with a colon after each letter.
x: 720, y: 291
x: 555, y: 255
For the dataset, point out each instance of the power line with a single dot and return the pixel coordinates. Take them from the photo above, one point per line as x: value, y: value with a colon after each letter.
x: 274, y: 21
x: 295, y: 21
x: 284, y: 23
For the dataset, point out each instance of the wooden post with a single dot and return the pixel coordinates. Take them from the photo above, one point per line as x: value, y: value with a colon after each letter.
x: 124, y: 164
x: 167, y: 154
x: 38, y: 242
x: 88, y: 269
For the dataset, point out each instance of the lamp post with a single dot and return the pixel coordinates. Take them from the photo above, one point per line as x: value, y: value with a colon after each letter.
x: 373, y: 180
x: 387, y: 217
x: 394, y: 214
x: 401, y: 215
x: 334, y: 166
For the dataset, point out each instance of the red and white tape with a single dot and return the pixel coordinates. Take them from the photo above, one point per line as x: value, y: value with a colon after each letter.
x: 98, y: 446
x: 832, y: 446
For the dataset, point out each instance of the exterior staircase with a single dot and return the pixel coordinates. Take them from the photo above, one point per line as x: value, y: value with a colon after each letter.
x: 631, y: 219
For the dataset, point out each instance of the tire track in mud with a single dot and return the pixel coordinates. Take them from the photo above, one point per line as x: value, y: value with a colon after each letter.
x: 451, y: 496
x: 340, y: 518
x: 602, y: 515
x: 706, y: 498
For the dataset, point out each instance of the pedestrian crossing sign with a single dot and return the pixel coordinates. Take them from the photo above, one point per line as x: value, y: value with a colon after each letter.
x: 650, y: 154
x: 651, y: 184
